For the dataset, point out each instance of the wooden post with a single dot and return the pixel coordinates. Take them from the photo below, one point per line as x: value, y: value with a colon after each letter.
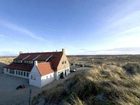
x: 30, y: 92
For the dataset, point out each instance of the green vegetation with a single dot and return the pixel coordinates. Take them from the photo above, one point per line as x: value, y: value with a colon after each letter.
x: 102, y: 85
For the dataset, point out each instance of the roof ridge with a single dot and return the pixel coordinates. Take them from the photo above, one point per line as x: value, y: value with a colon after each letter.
x: 41, y: 52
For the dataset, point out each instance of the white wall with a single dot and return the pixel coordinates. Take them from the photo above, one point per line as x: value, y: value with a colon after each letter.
x: 22, y: 76
x: 46, y: 79
x: 57, y: 74
x: 4, y: 70
x: 34, y: 77
x: 37, y: 80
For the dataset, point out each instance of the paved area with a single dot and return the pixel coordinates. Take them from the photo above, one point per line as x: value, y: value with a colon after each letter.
x: 8, y: 93
x: 10, y: 96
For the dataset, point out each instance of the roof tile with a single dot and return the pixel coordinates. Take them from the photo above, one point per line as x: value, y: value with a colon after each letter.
x: 44, y: 68
x: 53, y: 59
x: 20, y: 66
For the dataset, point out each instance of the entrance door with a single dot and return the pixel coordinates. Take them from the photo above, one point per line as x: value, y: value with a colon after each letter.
x: 61, y: 75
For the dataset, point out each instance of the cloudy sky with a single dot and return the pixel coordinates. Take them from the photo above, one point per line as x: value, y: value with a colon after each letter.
x: 79, y: 26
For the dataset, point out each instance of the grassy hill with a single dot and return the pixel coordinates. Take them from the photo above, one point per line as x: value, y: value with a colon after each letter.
x: 4, y: 61
x: 101, y: 85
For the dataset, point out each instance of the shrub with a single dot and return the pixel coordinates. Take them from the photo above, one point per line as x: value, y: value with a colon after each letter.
x: 132, y: 68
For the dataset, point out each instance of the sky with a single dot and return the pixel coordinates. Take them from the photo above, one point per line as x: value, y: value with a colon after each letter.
x: 79, y: 26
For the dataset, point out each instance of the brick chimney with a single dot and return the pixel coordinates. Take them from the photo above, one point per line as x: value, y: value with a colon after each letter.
x: 35, y: 63
x: 63, y: 50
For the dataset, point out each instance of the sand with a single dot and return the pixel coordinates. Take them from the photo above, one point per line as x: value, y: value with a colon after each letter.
x: 8, y: 93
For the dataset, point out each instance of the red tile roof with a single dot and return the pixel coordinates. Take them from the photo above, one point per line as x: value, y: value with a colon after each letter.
x: 20, y: 66
x: 44, y: 68
x: 52, y: 57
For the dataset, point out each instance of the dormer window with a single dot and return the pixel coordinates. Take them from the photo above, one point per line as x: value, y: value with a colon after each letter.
x: 18, y: 61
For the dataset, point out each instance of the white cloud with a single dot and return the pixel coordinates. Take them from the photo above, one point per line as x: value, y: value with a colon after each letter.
x: 21, y: 30
x: 122, y: 32
x: 128, y: 21
x: 130, y: 37
x: 129, y: 50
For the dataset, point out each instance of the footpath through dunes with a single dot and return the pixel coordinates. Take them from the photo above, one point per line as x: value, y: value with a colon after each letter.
x: 102, y: 85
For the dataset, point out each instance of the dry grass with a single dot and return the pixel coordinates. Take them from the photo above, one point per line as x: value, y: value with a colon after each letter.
x: 6, y: 60
x: 102, y: 85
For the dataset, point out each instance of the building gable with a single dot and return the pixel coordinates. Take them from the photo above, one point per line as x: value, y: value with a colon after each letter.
x: 44, y: 68
x: 64, y: 63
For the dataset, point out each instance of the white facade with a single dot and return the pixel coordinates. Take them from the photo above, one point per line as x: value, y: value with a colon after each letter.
x: 46, y: 79
x: 65, y: 72
x: 35, y: 77
x: 17, y: 73
x: 37, y: 80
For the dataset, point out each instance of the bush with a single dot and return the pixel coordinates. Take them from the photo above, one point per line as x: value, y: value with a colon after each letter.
x: 132, y: 68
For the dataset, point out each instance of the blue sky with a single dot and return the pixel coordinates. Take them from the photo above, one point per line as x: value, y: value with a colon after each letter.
x: 79, y: 26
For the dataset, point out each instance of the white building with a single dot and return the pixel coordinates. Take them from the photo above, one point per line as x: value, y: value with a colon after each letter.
x: 40, y: 68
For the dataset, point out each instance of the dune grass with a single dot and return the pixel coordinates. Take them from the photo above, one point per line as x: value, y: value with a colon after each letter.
x: 6, y: 60
x: 102, y: 85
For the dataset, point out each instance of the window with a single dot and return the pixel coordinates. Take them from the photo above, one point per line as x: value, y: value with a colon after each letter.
x: 33, y: 77
x: 31, y: 62
x: 19, y: 61
x: 64, y: 62
x: 25, y: 61
x: 12, y: 72
x: 27, y: 74
x: 24, y: 73
x: 48, y: 76
x: 21, y: 72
